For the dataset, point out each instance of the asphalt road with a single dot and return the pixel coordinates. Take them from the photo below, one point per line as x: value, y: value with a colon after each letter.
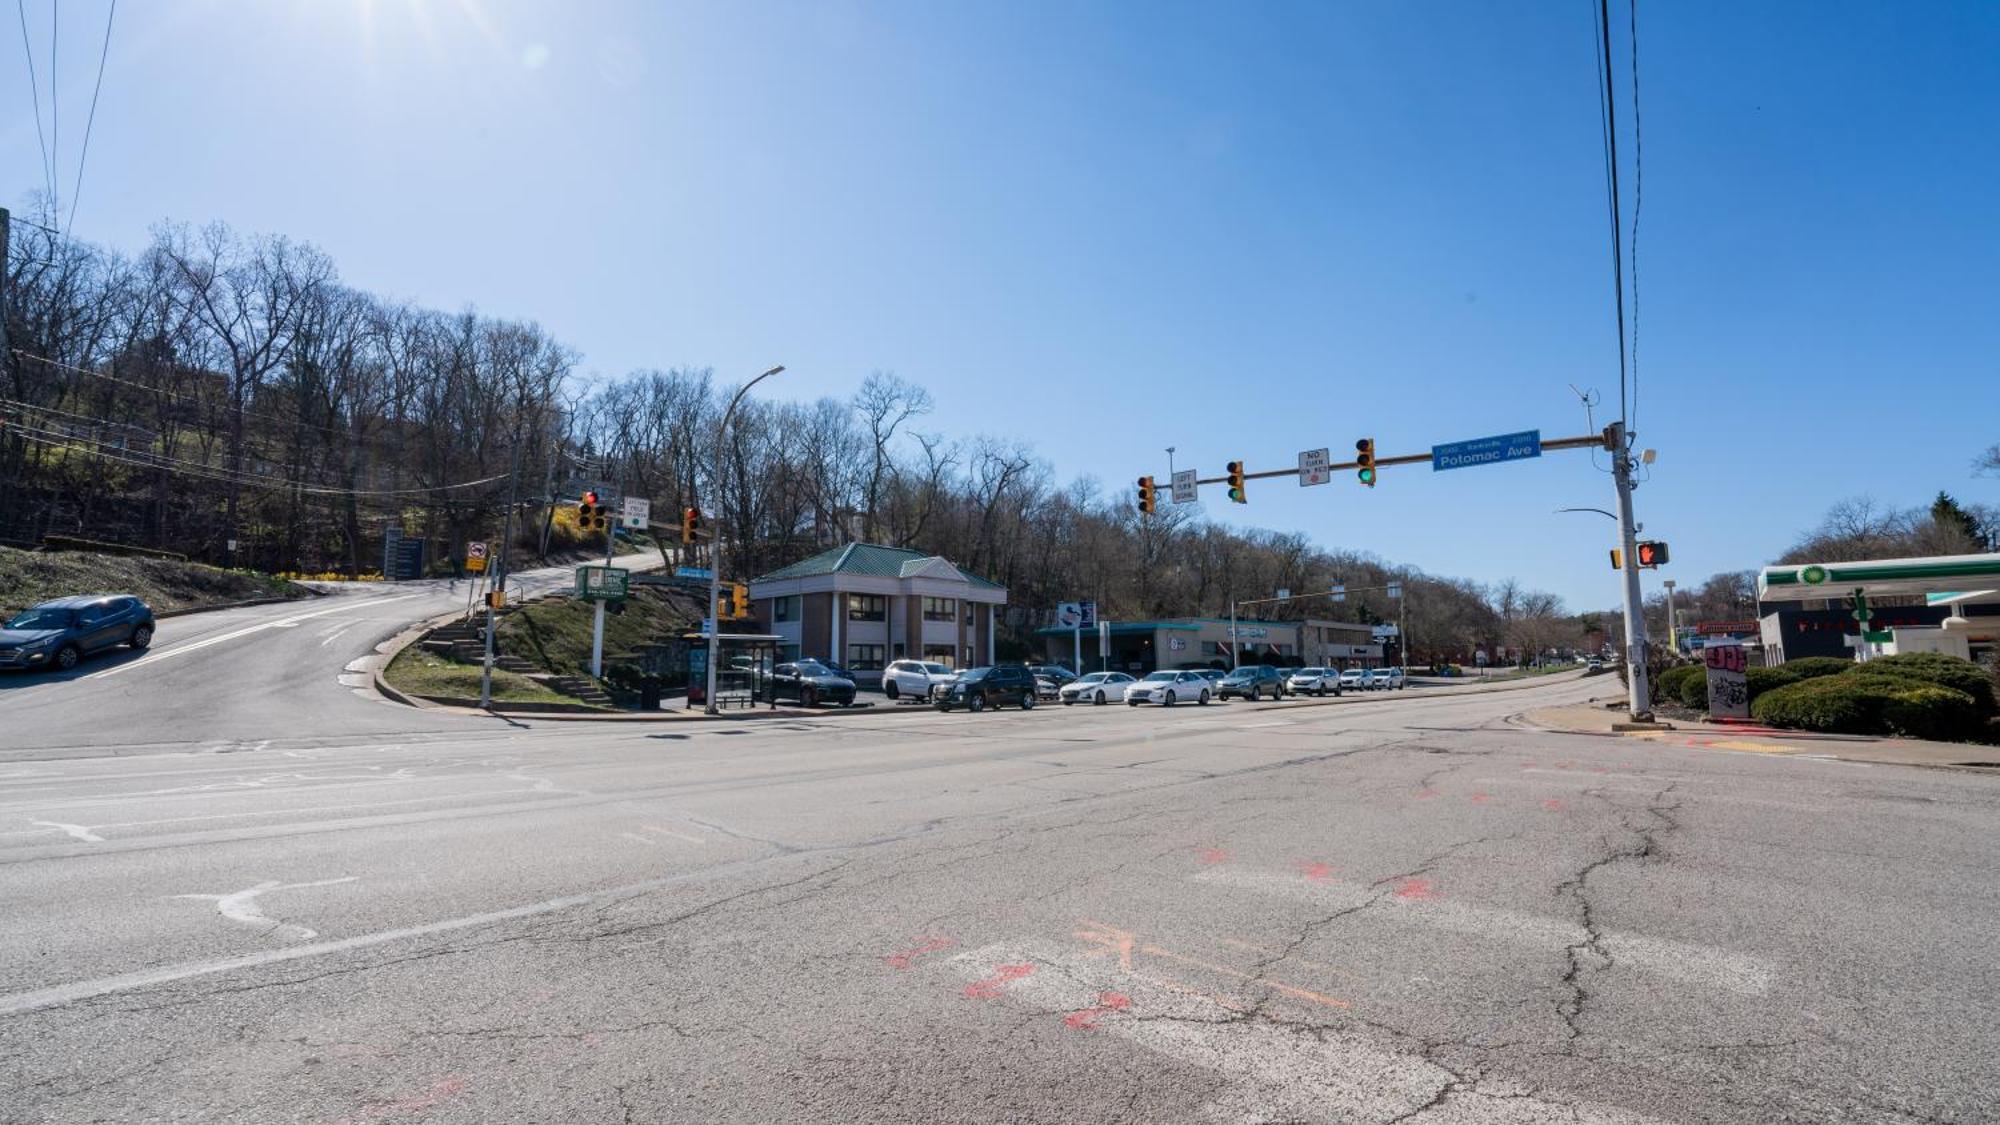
x: 1397, y: 907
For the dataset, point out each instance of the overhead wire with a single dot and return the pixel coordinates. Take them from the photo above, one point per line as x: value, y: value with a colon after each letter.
x: 1607, y: 87
x: 35, y: 91
x: 1638, y: 200
x: 97, y: 88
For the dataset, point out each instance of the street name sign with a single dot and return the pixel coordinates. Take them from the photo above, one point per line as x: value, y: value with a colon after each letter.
x: 1184, y: 486
x: 700, y: 572
x: 1486, y: 450
x: 1315, y: 467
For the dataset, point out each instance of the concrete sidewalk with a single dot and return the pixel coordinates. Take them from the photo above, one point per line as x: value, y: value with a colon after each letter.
x: 1596, y: 719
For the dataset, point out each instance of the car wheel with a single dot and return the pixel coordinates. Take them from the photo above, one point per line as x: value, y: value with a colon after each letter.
x: 808, y: 697
x: 1204, y: 698
x: 1172, y: 699
x: 975, y: 703
x: 141, y: 637
x: 67, y: 656
x: 891, y: 690
x: 1256, y: 693
x: 1131, y: 703
x: 1027, y: 701
x: 1100, y: 698
x: 1068, y: 699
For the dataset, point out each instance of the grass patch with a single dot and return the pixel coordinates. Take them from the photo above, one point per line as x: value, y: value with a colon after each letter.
x: 31, y: 577
x: 416, y: 672
x: 555, y: 634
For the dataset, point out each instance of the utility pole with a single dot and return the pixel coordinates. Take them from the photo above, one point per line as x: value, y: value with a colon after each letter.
x: 1673, y: 627
x: 1235, y: 642
x: 496, y: 591
x: 1638, y: 691
x: 6, y: 237
x: 715, y: 561
x: 597, y: 625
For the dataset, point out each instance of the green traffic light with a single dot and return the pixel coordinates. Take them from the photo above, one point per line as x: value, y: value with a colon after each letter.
x: 1236, y: 494
x: 1367, y: 476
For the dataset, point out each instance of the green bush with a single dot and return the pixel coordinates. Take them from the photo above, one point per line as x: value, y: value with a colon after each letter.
x: 1762, y: 680
x: 1929, y: 711
x: 1669, y: 684
x: 1832, y: 704
x: 1938, y: 669
x: 1812, y: 667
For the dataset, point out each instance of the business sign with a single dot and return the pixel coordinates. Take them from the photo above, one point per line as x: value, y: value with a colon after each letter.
x: 1486, y: 450
x: 1184, y: 486
x: 1089, y: 614
x: 601, y: 583
x: 1315, y: 467
x: 1069, y: 615
x: 636, y: 513
x: 1728, y: 684
x: 1176, y: 644
x: 1249, y: 631
x: 1383, y: 632
x: 475, y: 557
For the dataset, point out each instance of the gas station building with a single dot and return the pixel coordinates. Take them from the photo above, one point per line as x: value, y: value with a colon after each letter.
x: 1948, y: 604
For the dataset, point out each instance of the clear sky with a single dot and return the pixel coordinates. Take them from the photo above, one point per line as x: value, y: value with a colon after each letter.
x: 1240, y: 230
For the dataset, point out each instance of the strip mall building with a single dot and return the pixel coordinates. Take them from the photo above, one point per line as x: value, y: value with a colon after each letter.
x: 1189, y: 642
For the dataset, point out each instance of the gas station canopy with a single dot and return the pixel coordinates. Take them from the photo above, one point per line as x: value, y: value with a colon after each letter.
x: 1941, y: 579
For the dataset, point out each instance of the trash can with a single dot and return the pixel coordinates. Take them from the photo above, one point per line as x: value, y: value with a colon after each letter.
x: 649, y: 694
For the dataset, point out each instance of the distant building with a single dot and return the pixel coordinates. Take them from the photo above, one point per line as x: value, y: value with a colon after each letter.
x: 863, y: 605
x: 1146, y: 646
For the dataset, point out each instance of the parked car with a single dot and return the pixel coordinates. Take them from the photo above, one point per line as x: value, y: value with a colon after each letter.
x: 976, y: 689
x: 1385, y: 679
x: 1356, y: 678
x: 1595, y: 665
x: 1054, y: 673
x: 914, y: 678
x: 1045, y: 689
x: 1252, y: 681
x: 1096, y: 687
x: 60, y: 633
x: 811, y: 683
x: 1314, y: 681
x: 1169, y: 688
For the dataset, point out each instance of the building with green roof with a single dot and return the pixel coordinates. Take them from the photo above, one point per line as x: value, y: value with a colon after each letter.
x: 864, y: 604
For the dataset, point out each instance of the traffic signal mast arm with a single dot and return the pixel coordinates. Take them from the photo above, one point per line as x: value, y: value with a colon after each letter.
x: 1593, y: 441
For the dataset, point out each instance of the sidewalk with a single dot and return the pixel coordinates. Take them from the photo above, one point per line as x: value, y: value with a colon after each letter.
x: 1595, y: 719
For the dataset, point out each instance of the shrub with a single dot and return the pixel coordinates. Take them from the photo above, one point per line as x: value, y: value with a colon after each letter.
x: 1812, y: 667
x: 1929, y: 711
x: 1766, y: 679
x: 1938, y: 669
x: 1670, y: 683
x: 1833, y: 704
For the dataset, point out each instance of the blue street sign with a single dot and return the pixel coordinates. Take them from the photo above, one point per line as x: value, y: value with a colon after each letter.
x: 700, y: 572
x: 1486, y: 450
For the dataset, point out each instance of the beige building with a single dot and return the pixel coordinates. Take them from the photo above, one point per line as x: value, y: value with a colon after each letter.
x: 863, y: 605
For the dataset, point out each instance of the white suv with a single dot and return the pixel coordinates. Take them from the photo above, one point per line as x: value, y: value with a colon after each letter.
x: 1385, y: 679
x: 914, y: 678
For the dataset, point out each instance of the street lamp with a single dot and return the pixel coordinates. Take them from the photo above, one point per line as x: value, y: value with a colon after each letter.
x: 715, y: 562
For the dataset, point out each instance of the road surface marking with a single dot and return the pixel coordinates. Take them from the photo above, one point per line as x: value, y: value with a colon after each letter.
x: 1695, y: 964
x: 636, y: 838
x: 241, y: 906
x: 676, y: 835
x: 77, y: 830
x: 158, y: 655
x: 1271, y: 1072
x: 14, y: 1003
x: 335, y: 635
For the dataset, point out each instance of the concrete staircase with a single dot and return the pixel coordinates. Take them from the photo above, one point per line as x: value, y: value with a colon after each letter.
x: 464, y: 642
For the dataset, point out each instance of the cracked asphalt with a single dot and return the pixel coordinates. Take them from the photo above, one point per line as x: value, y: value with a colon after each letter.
x: 1393, y: 908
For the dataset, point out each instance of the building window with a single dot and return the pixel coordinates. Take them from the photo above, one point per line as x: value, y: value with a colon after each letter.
x: 785, y: 609
x: 867, y: 607
x: 1211, y: 648
x: 864, y: 658
x: 968, y: 613
x: 941, y: 654
x: 940, y: 609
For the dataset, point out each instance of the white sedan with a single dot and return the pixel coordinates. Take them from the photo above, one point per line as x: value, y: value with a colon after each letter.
x: 1096, y: 687
x: 1168, y: 688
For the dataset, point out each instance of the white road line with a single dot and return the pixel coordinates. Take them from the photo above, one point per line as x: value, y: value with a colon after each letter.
x: 636, y: 838
x: 676, y: 835
x: 1271, y: 1072
x: 158, y: 655
x: 1661, y: 957
x: 77, y: 830
x: 241, y: 906
x: 16, y: 1002
x: 335, y: 635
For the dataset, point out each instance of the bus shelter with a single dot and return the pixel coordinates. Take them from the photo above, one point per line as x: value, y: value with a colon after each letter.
x: 743, y: 668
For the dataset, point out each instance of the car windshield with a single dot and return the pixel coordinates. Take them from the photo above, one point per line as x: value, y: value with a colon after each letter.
x: 43, y: 618
x: 937, y: 669
x: 973, y: 675
x: 1163, y: 676
x: 1310, y: 672
x: 1094, y: 678
x: 813, y: 668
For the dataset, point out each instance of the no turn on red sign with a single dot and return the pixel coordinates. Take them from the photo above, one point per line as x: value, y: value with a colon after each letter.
x: 475, y: 556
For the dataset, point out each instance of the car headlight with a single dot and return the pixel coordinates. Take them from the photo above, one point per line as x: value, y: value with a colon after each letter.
x: 36, y: 646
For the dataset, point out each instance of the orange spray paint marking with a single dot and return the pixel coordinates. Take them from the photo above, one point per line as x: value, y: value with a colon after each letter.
x: 1480, y: 798
x: 1106, y: 940
x: 439, y: 1091
x: 1107, y: 1002
x: 1553, y: 805
x: 1416, y: 890
x: 1423, y: 793
x: 1211, y: 856
x: 904, y: 959
x: 1315, y: 872
x: 989, y: 989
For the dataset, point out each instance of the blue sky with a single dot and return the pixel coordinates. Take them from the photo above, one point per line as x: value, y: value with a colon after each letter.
x: 1241, y: 231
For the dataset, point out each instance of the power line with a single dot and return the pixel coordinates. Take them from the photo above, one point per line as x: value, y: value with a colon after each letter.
x: 35, y: 90
x: 1617, y: 235
x: 96, y: 89
x: 1638, y: 199
x: 195, y: 400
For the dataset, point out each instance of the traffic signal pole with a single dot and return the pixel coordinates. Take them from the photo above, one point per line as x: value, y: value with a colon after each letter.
x: 1638, y: 691
x: 597, y: 624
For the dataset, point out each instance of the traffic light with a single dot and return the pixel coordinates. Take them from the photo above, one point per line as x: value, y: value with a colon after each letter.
x: 1146, y: 495
x: 739, y: 600
x: 1652, y: 553
x: 1364, y: 461
x: 690, y: 524
x: 1617, y: 559
x: 1236, y: 489
x: 590, y: 514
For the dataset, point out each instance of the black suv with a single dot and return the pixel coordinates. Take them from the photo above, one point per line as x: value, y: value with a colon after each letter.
x: 1252, y: 681
x: 810, y: 682
x: 976, y: 689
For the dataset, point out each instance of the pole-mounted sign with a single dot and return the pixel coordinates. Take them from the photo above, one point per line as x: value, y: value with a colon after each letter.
x: 1315, y: 467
